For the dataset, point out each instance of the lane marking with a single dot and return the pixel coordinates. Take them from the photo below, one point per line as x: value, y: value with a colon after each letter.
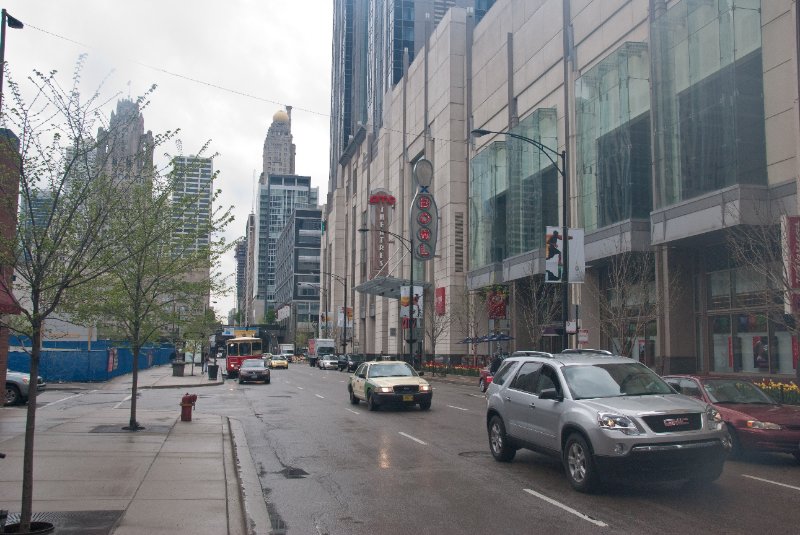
x: 477, y: 395
x: 772, y: 482
x: 63, y: 399
x: 320, y: 397
x: 418, y: 441
x: 566, y: 508
x: 300, y: 388
x: 459, y: 408
x: 123, y: 401
x: 351, y: 410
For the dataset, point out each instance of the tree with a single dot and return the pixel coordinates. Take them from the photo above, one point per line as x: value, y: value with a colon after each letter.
x: 435, y: 325
x: 468, y: 314
x: 68, y: 193
x: 539, y: 305
x: 170, y: 251
x: 628, y: 303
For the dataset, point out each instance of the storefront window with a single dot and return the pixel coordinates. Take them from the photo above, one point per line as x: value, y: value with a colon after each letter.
x: 719, y: 290
x: 722, y: 346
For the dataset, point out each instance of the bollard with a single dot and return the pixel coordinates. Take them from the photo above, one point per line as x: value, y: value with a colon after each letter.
x: 187, y: 402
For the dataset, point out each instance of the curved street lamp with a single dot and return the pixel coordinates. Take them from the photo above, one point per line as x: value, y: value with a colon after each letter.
x: 562, y: 170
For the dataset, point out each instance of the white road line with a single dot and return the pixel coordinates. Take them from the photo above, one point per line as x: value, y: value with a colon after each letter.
x: 418, y: 441
x: 772, y: 482
x: 566, y: 508
x: 121, y: 402
x: 354, y: 412
x: 320, y: 397
x: 477, y: 395
x: 63, y: 399
x: 300, y: 388
x: 459, y: 408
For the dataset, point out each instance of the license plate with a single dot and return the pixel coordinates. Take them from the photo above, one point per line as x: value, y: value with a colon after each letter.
x: 408, y: 397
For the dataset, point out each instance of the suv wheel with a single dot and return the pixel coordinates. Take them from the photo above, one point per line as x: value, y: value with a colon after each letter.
x: 498, y: 441
x: 579, y: 464
x: 13, y: 397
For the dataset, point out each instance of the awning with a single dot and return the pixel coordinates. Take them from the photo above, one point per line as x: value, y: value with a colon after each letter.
x: 387, y: 286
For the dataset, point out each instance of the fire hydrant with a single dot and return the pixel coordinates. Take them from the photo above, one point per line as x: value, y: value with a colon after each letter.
x: 187, y: 402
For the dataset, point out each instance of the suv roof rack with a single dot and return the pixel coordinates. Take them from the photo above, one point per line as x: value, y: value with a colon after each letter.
x: 588, y: 351
x: 530, y: 353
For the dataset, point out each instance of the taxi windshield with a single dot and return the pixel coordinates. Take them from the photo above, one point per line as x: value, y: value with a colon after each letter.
x: 391, y: 370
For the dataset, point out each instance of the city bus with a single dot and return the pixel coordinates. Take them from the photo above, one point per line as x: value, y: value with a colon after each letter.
x: 240, y: 349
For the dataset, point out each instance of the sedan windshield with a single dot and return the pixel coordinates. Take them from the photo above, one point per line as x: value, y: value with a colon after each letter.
x: 391, y: 370
x: 735, y: 391
x: 614, y: 380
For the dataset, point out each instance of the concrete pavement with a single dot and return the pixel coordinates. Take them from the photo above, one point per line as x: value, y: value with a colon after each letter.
x: 90, y: 476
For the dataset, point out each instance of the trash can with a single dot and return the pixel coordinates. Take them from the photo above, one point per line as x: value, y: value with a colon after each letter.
x: 213, y: 369
x: 177, y: 368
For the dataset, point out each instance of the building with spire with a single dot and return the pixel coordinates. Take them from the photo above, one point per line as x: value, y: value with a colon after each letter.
x: 125, y: 149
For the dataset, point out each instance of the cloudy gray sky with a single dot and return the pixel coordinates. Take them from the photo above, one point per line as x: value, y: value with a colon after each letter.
x: 264, y: 53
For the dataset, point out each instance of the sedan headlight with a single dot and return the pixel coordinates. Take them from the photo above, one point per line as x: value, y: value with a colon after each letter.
x: 385, y: 389
x: 424, y: 388
x: 755, y: 424
x: 616, y: 422
x: 714, y: 419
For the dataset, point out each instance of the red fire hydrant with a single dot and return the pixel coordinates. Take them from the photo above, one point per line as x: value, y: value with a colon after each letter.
x: 187, y: 402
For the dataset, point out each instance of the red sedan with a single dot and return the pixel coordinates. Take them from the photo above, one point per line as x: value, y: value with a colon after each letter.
x: 755, y: 421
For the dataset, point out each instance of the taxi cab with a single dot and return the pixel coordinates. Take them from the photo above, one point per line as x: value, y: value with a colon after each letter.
x: 389, y: 382
x: 279, y: 361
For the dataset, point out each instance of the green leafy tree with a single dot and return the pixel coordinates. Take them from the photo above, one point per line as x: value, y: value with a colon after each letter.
x: 167, y: 271
x: 68, y: 194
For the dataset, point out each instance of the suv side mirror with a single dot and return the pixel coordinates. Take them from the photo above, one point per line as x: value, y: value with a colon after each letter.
x: 550, y: 393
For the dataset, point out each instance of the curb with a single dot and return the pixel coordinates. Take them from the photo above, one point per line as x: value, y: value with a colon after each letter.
x: 254, y: 506
x: 185, y: 385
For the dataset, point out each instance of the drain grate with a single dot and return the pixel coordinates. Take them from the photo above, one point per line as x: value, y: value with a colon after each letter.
x: 76, y: 522
x: 151, y: 429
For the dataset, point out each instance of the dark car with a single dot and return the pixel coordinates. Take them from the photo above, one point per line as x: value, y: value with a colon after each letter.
x: 254, y: 370
x: 341, y: 363
x: 755, y: 421
x: 353, y: 361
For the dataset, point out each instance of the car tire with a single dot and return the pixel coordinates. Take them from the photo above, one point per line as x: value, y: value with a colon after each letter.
x: 499, y: 443
x: 736, y: 446
x: 353, y: 399
x: 241, y: 382
x: 425, y: 405
x: 579, y: 464
x: 482, y: 384
x: 371, y: 405
x: 13, y: 397
x: 266, y: 381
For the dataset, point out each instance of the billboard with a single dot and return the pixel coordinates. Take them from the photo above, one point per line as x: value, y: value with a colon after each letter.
x: 554, y: 247
x: 340, y: 317
x: 416, y: 304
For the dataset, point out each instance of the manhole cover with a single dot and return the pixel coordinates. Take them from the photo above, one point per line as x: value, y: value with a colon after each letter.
x: 153, y: 429
x: 76, y: 522
x: 473, y: 454
x: 291, y: 472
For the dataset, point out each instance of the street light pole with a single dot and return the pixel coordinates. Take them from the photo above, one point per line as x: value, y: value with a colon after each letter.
x: 11, y: 22
x: 562, y: 170
x: 409, y: 244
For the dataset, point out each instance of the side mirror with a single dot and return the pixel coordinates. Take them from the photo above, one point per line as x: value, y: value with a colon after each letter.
x: 362, y: 375
x: 550, y: 393
x: 420, y: 373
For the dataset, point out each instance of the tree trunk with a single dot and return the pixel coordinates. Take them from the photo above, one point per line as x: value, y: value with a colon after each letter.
x: 30, y: 428
x: 133, y: 425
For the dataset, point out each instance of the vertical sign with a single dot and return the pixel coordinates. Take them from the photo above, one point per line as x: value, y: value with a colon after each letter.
x: 407, y: 300
x: 381, y: 205
x: 440, y: 297
x: 790, y: 237
x: 340, y: 317
x: 496, y: 303
x: 554, y: 248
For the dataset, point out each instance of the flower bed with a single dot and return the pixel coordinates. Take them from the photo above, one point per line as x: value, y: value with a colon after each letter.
x: 787, y: 393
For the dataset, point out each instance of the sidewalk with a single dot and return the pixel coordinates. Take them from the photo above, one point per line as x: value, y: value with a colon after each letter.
x: 92, y: 477
x: 155, y: 377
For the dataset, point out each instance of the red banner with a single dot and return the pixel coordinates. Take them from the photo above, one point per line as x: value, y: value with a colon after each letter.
x: 440, y: 301
x: 496, y: 304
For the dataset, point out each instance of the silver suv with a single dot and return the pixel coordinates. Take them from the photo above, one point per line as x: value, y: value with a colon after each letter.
x: 603, y: 415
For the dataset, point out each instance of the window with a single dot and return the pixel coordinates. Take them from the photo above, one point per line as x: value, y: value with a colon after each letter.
x: 502, y: 373
x: 548, y: 380
x: 526, y: 377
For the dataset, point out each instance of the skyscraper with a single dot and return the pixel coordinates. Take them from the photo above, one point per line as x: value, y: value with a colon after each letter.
x: 279, y: 151
x: 277, y: 199
x: 124, y: 149
x: 240, y: 254
x: 193, y: 187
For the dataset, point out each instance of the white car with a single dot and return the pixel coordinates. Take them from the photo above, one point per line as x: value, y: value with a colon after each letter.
x: 328, y: 362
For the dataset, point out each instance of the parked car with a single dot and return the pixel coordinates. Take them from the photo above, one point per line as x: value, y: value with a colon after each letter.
x: 755, y: 421
x: 383, y: 382
x: 604, y: 417
x: 254, y: 370
x: 18, y: 385
x: 341, y: 363
x: 328, y: 362
x: 279, y: 361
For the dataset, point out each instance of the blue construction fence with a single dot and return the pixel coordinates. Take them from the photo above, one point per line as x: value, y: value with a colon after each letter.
x: 76, y: 362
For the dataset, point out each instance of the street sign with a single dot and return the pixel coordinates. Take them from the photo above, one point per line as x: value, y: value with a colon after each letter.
x: 583, y: 336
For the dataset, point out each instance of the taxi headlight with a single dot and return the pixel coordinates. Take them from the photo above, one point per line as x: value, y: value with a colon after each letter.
x: 385, y: 389
x: 425, y: 388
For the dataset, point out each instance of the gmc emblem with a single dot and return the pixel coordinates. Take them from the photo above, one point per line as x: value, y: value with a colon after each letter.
x: 674, y: 422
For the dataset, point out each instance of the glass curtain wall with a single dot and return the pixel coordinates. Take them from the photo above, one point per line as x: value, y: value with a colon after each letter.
x: 532, y: 183
x: 710, y: 98
x: 613, y: 138
x: 488, y: 197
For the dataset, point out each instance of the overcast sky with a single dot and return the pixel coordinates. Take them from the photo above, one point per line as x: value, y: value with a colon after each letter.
x: 264, y: 53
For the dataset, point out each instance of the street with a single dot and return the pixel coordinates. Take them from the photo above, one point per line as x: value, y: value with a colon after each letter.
x: 330, y: 467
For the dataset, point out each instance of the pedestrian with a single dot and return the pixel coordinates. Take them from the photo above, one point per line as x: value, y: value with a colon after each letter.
x: 495, y: 365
